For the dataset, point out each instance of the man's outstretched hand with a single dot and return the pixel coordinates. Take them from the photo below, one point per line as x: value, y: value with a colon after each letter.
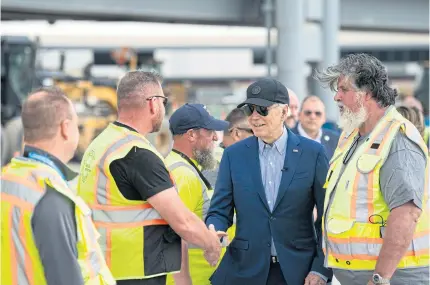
x: 213, y: 252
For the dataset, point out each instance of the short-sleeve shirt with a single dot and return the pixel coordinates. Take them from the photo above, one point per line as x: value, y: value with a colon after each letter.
x: 140, y: 174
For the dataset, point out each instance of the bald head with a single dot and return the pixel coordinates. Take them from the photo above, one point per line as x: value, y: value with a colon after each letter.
x: 293, y: 115
x: 43, y: 112
x: 312, y: 99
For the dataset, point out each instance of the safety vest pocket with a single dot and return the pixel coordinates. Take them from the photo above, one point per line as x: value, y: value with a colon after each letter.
x: 367, y: 162
x: 339, y: 226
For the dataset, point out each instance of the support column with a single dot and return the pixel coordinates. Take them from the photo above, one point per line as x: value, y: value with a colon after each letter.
x: 290, y: 52
x: 331, y: 52
x: 267, y: 9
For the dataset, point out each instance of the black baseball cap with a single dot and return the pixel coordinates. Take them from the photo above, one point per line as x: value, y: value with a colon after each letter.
x: 194, y: 116
x: 266, y: 92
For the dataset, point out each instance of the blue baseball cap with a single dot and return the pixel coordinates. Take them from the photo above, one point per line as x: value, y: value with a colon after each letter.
x: 194, y: 116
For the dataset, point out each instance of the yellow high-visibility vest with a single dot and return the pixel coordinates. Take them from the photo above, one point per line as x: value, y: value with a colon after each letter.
x: 355, y: 209
x: 122, y: 223
x: 24, y: 183
x: 196, y: 196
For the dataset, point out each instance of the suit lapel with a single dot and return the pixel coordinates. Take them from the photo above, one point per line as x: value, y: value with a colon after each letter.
x: 255, y: 170
x: 292, y: 156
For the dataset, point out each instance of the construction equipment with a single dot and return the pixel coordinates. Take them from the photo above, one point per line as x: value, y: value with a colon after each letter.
x: 17, y: 79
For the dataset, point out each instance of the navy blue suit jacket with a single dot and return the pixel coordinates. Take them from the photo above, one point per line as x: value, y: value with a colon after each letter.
x: 329, y: 140
x: 239, y: 188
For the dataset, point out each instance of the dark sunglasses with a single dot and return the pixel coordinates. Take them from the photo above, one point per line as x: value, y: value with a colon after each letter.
x: 308, y: 113
x: 249, y: 109
x: 165, y: 99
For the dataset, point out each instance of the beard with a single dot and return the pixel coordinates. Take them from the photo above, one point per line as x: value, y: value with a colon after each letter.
x: 349, y: 121
x: 156, y: 124
x: 205, y: 158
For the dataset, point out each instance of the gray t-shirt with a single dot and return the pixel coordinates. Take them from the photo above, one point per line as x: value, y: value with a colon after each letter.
x: 401, y: 180
x: 403, y: 173
x: 54, y: 230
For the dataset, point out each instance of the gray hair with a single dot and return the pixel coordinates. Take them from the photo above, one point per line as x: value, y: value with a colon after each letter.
x: 366, y: 74
x: 132, y: 88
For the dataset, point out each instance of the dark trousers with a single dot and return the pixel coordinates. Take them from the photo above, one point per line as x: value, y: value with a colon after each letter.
x: 161, y: 280
x: 275, y: 275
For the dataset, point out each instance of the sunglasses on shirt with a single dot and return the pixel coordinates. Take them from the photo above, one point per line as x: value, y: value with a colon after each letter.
x: 249, y: 109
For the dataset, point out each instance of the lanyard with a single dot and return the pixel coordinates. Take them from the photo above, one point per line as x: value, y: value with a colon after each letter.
x: 208, y: 185
x: 47, y: 161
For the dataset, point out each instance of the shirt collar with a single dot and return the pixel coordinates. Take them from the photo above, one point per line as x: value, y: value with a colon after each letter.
x: 116, y: 123
x: 68, y: 173
x: 280, y: 144
x: 303, y: 133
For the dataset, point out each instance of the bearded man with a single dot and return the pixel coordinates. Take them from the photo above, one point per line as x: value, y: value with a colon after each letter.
x: 194, y: 133
x: 375, y: 223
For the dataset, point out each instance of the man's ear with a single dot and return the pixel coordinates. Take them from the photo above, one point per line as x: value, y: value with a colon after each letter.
x: 191, y: 135
x: 64, y: 129
x: 152, y: 106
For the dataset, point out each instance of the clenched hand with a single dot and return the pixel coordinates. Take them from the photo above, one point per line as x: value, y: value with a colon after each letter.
x: 313, y: 279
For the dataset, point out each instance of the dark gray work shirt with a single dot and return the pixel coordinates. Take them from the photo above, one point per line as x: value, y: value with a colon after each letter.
x: 54, y: 231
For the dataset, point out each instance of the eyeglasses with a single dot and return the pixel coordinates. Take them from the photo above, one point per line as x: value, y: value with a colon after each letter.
x: 165, y: 99
x: 249, y: 109
x: 308, y: 113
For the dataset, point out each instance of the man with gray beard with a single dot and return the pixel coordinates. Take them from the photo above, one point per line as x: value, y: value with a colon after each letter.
x: 376, y: 220
x: 194, y: 133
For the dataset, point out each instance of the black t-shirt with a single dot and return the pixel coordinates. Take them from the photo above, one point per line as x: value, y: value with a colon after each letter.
x: 140, y: 174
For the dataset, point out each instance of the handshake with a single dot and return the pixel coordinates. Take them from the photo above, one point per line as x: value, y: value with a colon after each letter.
x: 212, y: 252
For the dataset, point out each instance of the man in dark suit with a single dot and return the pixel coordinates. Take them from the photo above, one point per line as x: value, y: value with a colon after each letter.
x: 311, y: 119
x: 272, y: 181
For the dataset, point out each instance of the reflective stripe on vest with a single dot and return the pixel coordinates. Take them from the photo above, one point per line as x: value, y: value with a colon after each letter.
x: 23, y: 185
x: 354, y: 231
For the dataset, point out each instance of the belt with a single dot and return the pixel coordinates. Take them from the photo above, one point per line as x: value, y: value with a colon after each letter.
x: 274, y: 259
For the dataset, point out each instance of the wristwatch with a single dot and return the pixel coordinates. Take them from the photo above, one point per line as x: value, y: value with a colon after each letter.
x: 377, y: 279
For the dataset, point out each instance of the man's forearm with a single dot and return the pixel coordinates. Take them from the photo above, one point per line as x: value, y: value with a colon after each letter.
x: 195, y: 232
x: 398, y: 236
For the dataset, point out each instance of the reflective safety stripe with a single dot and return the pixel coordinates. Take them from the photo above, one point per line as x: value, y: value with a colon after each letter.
x: 352, y: 247
x: 126, y: 216
x: 206, y: 199
x: 11, y: 244
x: 102, y: 190
x: 24, y: 193
x: 17, y: 239
x: 361, y: 209
x: 93, y: 261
